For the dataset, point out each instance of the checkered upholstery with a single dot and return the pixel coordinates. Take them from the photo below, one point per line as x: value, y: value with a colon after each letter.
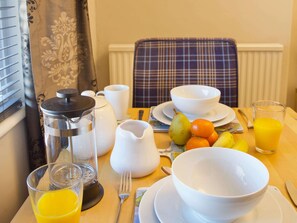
x: 161, y: 64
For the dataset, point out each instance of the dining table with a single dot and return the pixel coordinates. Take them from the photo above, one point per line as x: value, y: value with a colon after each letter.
x: 282, y: 166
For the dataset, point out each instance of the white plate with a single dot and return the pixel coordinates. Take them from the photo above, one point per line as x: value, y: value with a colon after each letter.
x: 169, y: 207
x: 146, y: 211
x: 230, y: 117
x: 218, y: 113
x: 289, y: 212
x: 159, y: 115
x: 289, y: 215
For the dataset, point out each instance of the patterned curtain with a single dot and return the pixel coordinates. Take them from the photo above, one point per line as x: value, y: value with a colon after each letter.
x: 57, y: 54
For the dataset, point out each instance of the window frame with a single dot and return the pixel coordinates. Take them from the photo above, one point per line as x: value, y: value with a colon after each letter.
x: 15, y: 113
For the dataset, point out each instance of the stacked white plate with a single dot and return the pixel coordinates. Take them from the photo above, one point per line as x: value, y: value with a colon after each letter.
x: 221, y: 115
x: 161, y: 203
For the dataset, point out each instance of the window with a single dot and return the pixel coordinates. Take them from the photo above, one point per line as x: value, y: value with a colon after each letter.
x: 11, y: 74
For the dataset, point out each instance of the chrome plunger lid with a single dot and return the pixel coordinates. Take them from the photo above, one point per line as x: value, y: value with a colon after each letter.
x: 67, y: 103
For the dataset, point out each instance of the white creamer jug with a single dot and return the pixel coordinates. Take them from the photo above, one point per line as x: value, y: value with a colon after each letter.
x: 105, y: 123
x: 135, y: 149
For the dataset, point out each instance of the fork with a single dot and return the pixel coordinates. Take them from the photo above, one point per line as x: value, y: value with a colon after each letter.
x: 124, y: 190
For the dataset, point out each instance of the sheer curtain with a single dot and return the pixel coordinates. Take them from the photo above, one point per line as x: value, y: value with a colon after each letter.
x: 57, y: 53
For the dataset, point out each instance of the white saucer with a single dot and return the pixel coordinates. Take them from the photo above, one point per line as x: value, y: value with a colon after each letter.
x: 273, y: 195
x: 218, y: 113
x: 159, y: 115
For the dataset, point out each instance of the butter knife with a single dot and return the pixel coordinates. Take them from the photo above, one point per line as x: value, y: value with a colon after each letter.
x: 140, y: 114
x: 248, y: 122
x: 292, y: 190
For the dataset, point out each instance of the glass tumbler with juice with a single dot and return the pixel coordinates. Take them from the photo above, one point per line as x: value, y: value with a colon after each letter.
x: 55, y: 192
x: 268, y: 124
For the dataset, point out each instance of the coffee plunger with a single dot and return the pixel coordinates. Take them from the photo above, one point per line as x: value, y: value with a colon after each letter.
x: 69, y: 130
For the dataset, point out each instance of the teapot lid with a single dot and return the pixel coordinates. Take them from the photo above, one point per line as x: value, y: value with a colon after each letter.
x: 100, y: 101
x: 67, y: 103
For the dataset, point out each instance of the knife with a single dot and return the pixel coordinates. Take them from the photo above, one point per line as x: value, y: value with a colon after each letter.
x: 248, y: 122
x: 292, y: 190
x: 140, y: 114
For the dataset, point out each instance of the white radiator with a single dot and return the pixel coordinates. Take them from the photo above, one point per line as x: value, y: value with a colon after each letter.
x: 260, y: 70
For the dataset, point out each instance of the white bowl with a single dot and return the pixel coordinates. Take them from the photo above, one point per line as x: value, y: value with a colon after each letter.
x: 195, y: 99
x: 220, y: 184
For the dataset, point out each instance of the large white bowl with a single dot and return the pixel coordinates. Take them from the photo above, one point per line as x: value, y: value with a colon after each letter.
x: 220, y: 184
x: 195, y: 99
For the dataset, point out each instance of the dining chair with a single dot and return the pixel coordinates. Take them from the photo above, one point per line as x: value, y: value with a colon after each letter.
x: 161, y: 64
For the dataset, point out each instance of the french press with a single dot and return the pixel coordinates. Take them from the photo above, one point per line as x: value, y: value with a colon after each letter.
x: 69, y: 130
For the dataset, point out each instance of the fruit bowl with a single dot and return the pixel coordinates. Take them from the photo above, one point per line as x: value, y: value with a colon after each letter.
x: 195, y: 99
x: 219, y: 184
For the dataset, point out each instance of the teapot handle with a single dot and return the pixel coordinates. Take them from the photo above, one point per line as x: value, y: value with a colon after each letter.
x: 100, y: 93
x: 89, y: 93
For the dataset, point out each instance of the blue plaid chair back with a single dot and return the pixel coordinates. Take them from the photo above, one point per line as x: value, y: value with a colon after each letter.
x: 161, y: 64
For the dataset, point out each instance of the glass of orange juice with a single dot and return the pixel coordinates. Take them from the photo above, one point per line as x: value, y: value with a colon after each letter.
x: 268, y: 119
x: 56, y: 191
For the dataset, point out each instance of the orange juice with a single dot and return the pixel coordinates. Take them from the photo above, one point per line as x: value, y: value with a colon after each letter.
x: 61, y: 206
x: 267, y: 133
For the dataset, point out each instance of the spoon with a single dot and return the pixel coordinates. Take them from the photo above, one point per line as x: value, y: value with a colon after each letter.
x: 167, y: 170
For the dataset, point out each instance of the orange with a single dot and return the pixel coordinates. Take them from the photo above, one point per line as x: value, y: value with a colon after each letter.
x: 202, y: 128
x: 213, y: 138
x: 196, y: 142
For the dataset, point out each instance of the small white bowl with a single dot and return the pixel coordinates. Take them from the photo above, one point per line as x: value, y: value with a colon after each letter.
x: 195, y: 99
x: 220, y: 184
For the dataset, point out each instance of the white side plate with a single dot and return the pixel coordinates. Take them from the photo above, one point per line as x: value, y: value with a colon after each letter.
x: 220, y: 112
x: 159, y: 115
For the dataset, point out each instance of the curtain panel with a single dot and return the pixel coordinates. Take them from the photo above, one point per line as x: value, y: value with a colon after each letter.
x: 57, y: 55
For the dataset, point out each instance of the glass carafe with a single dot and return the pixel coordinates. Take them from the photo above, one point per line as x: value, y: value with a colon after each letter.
x: 69, y: 130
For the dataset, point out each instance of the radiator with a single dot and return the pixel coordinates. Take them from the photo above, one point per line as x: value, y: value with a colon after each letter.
x: 121, y: 58
x: 259, y: 70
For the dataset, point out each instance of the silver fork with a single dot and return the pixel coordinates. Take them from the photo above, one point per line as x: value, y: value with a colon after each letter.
x: 124, y: 190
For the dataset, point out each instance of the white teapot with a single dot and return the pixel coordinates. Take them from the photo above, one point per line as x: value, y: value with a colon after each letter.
x: 135, y: 149
x: 105, y: 125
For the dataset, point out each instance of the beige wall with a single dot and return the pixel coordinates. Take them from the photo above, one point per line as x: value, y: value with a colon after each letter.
x: 254, y: 21
x: 14, y: 169
x: 292, y: 82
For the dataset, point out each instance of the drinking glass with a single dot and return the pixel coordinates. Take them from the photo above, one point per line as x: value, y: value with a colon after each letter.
x: 56, y: 191
x: 268, y: 117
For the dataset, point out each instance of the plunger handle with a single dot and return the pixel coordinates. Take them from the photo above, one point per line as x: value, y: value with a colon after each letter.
x: 67, y: 93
